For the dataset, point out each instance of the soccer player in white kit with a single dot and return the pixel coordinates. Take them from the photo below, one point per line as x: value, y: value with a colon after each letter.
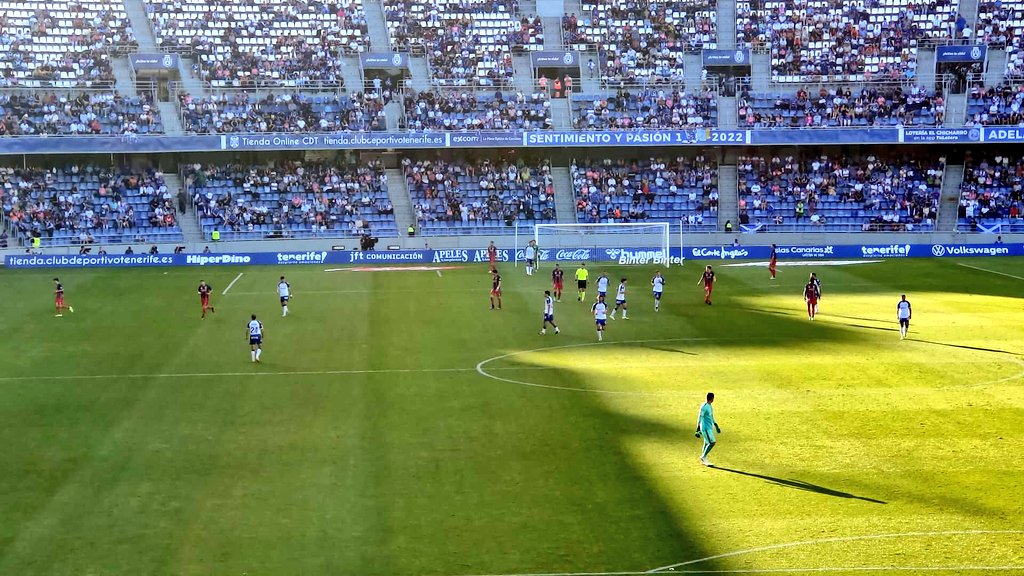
x: 284, y: 292
x: 658, y: 286
x: 255, y: 330
x: 620, y: 301
x: 549, y: 314
x: 903, y: 314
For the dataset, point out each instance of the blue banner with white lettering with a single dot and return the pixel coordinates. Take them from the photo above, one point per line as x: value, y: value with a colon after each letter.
x: 726, y: 58
x: 972, y: 53
x: 467, y: 256
x: 133, y: 143
x: 555, y: 59
x: 384, y: 60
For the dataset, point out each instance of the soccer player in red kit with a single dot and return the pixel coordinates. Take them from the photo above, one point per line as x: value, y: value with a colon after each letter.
x: 708, y: 278
x: 811, y: 297
x: 772, y: 261
x: 556, y: 282
x: 495, y: 288
x: 58, y: 298
x: 204, y: 297
x: 492, y: 255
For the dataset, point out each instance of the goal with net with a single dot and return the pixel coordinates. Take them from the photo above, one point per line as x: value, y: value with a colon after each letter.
x: 621, y: 243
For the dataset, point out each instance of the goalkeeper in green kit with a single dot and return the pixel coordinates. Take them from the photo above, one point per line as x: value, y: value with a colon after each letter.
x: 705, y: 424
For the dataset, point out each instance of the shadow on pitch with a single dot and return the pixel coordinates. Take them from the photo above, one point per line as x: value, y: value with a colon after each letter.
x: 966, y: 347
x: 667, y: 349
x: 800, y: 485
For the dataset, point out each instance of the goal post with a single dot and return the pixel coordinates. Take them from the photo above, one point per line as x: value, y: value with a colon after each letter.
x: 647, y: 243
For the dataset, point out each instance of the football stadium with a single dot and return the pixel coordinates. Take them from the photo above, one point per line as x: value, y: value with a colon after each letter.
x: 511, y: 287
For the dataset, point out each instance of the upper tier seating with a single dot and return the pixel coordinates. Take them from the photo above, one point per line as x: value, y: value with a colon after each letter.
x: 842, y: 41
x: 88, y: 205
x: 61, y: 43
x: 265, y: 42
x: 838, y: 194
x: 483, y: 197
x: 467, y: 42
x: 293, y: 200
x: 642, y: 41
x: 653, y: 190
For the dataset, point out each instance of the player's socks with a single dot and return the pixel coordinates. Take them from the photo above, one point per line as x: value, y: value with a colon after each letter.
x: 543, y: 331
x: 600, y: 336
x: 557, y: 330
x: 253, y: 354
x: 259, y: 351
x: 71, y: 309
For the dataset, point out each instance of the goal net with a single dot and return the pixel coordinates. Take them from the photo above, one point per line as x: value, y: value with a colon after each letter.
x: 620, y: 243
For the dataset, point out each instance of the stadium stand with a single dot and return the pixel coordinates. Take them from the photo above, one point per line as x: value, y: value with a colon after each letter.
x: 644, y: 108
x: 998, y: 25
x: 836, y: 194
x: 88, y: 205
x: 82, y: 112
x: 655, y: 190
x: 481, y: 197
x: 641, y: 41
x: 471, y: 110
x: 991, y: 195
x: 467, y: 42
x: 842, y: 107
x: 286, y: 112
x: 292, y: 200
x: 1000, y: 105
x: 840, y: 41
x: 262, y: 43
x: 61, y: 43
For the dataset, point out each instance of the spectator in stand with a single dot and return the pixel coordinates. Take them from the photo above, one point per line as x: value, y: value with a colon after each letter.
x: 243, y: 112
x: 434, y: 110
x: 998, y: 106
x: 82, y: 113
x: 832, y: 108
x: 647, y: 109
x: 992, y: 189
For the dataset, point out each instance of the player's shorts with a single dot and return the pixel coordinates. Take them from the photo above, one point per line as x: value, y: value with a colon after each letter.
x: 812, y: 301
x: 549, y: 318
x: 204, y: 298
x: 59, y: 300
x: 558, y: 286
x: 581, y: 284
x: 620, y: 302
x: 905, y: 322
x: 496, y: 292
x: 284, y: 300
x: 600, y: 322
x: 708, y: 436
x: 605, y: 294
x: 254, y: 340
x: 657, y: 295
x: 529, y: 261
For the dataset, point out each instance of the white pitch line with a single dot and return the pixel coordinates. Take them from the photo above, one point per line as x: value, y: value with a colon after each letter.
x: 829, y: 541
x: 438, y: 273
x: 286, y: 373
x: 837, y: 569
x: 979, y: 268
x: 232, y: 283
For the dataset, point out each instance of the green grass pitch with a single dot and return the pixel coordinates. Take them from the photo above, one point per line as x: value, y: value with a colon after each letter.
x: 398, y: 426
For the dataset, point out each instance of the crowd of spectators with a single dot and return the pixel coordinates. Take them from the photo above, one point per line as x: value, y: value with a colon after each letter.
x: 646, y: 109
x: 880, y: 193
x: 278, y: 200
x: 992, y: 190
x: 841, y: 107
x: 85, y: 203
x: 285, y: 42
x: 1000, y: 105
x: 468, y: 110
x: 638, y: 190
x: 45, y: 47
x: 288, y: 112
x: 640, y: 40
x: 469, y: 42
x: 495, y: 192
x: 78, y: 113
x: 844, y: 41
x: 997, y: 25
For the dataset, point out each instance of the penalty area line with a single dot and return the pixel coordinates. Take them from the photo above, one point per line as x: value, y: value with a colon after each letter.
x: 980, y: 269
x: 282, y: 373
x: 232, y: 283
